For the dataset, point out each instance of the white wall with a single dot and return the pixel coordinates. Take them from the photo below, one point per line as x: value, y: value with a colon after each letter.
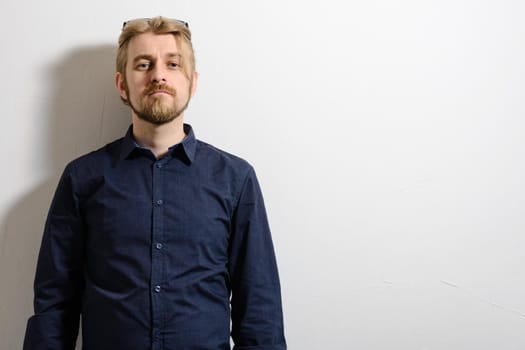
x: 387, y: 136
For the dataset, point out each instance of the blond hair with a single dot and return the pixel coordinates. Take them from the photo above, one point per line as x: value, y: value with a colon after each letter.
x: 156, y: 25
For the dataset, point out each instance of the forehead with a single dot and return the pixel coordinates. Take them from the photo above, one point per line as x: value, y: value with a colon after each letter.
x: 153, y: 44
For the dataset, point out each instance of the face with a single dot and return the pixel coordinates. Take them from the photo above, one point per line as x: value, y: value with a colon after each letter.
x: 156, y: 85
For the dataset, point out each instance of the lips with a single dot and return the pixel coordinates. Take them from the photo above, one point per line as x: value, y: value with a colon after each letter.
x: 160, y: 92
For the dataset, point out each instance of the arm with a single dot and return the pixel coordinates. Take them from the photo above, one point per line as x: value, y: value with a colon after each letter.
x: 58, y: 280
x: 257, y: 320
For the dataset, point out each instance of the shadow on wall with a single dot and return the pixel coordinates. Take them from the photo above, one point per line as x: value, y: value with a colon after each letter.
x: 84, y: 113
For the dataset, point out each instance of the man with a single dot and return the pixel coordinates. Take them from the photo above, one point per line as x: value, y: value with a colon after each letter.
x: 158, y: 240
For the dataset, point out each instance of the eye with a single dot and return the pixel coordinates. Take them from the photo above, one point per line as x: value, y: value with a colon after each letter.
x: 173, y: 65
x: 143, y: 66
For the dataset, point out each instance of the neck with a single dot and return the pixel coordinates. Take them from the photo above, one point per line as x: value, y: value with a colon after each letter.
x: 158, y: 138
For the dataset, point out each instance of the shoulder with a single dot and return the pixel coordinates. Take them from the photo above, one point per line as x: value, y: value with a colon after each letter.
x: 96, y: 159
x: 221, y: 160
x: 230, y: 171
x: 89, y: 169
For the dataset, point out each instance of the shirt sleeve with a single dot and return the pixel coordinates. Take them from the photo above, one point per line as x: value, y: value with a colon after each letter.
x: 58, y: 280
x: 257, y: 320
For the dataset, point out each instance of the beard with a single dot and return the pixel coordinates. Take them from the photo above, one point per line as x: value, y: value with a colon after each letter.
x: 156, y: 110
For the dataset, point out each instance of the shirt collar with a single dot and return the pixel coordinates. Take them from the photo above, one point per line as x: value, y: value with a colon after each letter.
x: 189, y: 144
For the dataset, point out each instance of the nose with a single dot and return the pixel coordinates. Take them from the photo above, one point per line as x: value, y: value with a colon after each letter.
x: 158, y: 74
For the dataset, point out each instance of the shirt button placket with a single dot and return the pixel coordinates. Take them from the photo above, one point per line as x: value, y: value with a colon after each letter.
x: 157, y: 257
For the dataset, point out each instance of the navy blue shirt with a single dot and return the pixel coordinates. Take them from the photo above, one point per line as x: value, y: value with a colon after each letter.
x: 157, y: 254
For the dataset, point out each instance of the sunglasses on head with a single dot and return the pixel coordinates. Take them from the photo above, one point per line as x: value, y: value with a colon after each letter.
x: 148, y: 19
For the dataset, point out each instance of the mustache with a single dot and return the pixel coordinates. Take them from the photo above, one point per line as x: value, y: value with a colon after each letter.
x: 159, y: 87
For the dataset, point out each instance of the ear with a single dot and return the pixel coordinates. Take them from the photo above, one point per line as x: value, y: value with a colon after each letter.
x: 121, y: 86
x: 194, y: 83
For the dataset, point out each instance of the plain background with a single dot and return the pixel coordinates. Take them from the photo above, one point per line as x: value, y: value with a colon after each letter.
x: 387, y: 137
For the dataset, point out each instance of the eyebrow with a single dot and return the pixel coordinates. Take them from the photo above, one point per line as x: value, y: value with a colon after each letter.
x: 151, y: 58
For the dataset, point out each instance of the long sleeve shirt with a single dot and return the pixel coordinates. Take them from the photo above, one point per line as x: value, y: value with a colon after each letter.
x: 157, y: 254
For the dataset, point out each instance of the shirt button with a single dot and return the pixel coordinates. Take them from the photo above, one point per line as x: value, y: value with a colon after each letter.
x: 157, y: 289
x: 158, y: 245
x: 158, y: 165
x: 159, y: 202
